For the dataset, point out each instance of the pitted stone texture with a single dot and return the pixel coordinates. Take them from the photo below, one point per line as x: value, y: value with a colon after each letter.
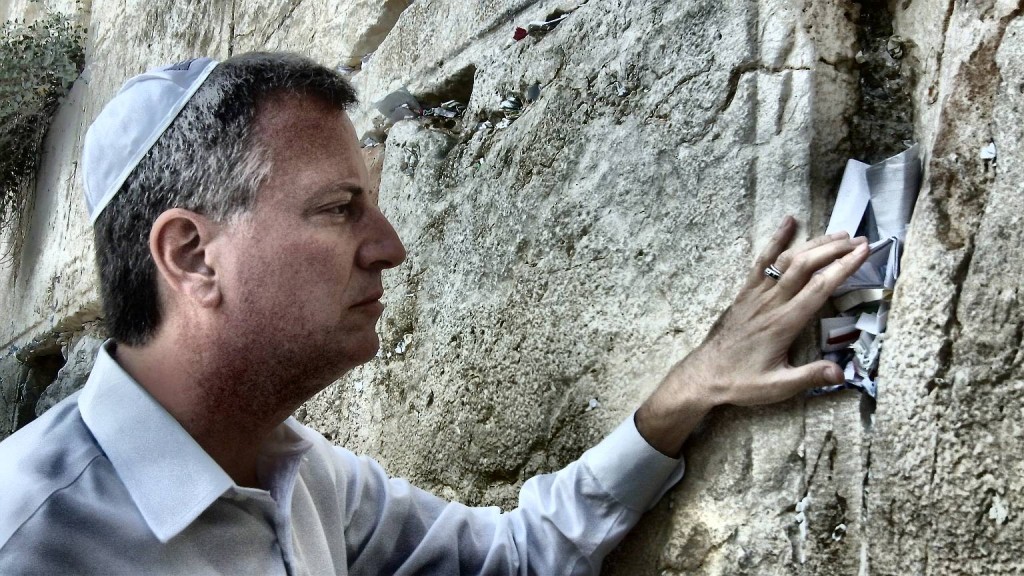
x: 734, y: 513
x: 947, y: 459
x: 579, y: 252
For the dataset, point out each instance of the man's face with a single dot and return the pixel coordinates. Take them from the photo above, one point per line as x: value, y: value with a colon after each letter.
x: 302, y: 279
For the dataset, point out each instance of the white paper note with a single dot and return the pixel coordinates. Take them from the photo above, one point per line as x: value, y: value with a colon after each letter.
x: 893, y: 185
x: 852, y: 201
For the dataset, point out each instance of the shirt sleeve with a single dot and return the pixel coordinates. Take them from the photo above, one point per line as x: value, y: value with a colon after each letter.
x: 566, y: 522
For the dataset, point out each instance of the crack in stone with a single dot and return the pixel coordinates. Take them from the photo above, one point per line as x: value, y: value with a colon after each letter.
x: 735, y: 75
x: 231, y: 30
x: 946, y: 19
x: 291, y: 10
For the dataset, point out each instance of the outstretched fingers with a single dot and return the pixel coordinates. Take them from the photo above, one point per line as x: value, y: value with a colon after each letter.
x: 817, y: 290
x: 786, y: 259
x: 803, y: 265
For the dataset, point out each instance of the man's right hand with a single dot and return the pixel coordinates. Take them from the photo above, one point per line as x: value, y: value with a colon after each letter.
x: 744, y: 360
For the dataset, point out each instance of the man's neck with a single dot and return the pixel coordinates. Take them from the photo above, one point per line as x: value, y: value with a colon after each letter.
x: 221, y: 409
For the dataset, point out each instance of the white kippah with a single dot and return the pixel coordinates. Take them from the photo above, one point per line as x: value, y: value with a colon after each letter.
x: 131, y: 123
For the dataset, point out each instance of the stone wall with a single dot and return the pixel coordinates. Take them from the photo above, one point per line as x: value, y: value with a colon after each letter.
x: 948, y: 455
x: 563, y: 257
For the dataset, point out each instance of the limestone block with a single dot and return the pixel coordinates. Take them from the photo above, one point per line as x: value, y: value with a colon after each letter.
x: 946, y: 461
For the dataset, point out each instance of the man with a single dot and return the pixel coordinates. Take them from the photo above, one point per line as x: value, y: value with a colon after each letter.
x: 240, y: 265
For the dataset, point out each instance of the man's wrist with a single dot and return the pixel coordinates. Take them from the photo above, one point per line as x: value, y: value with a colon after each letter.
x: 672, y: 411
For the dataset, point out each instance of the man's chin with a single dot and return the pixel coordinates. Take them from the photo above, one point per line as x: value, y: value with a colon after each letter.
x: 365, y: 351
x: 350, y: 350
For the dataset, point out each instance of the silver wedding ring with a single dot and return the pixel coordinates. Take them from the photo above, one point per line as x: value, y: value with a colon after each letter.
x: 772, y: 272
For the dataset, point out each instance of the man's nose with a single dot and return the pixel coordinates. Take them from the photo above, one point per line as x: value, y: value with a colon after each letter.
x: 383, y: 248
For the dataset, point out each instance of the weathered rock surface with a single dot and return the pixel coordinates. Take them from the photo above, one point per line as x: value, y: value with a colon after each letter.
x: 948, y: 455
x: 559, y: 265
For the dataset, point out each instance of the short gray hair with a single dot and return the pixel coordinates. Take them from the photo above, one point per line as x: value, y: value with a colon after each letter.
x: 209, y: 161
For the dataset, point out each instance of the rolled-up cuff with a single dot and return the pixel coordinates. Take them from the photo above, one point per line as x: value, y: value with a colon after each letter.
x: 630, y: 469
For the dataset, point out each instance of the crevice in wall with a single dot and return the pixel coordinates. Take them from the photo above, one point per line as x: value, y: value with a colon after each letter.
x: 884, y: 122
x: 865, y: 492
x: 55, y: 364
x: 933, y: 90
x: 457, y: 86
x: 231, y: 30
x: 882, y: 126
x: 867, y: 412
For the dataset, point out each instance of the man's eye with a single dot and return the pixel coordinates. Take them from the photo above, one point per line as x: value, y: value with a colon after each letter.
x: 339, y: 209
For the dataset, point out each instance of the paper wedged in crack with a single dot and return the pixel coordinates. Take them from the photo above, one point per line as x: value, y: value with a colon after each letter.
x: 875, y: 201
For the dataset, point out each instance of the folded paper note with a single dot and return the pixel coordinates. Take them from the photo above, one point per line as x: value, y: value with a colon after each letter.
x: 879, y: 271
x: 875, y: 201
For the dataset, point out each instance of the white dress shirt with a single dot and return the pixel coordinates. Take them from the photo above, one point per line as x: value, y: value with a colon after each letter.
x: 107, y: 482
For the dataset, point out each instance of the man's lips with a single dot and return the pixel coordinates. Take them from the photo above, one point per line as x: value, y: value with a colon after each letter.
x: 371, y: 299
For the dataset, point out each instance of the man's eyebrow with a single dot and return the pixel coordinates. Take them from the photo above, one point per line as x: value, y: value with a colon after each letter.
x: 333, y: 188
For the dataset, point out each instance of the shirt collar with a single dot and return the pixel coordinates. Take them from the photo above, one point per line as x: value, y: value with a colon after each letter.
x: 170, y: 478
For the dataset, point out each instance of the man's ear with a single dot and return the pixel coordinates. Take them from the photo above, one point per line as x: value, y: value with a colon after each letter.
x: 178, y: 243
